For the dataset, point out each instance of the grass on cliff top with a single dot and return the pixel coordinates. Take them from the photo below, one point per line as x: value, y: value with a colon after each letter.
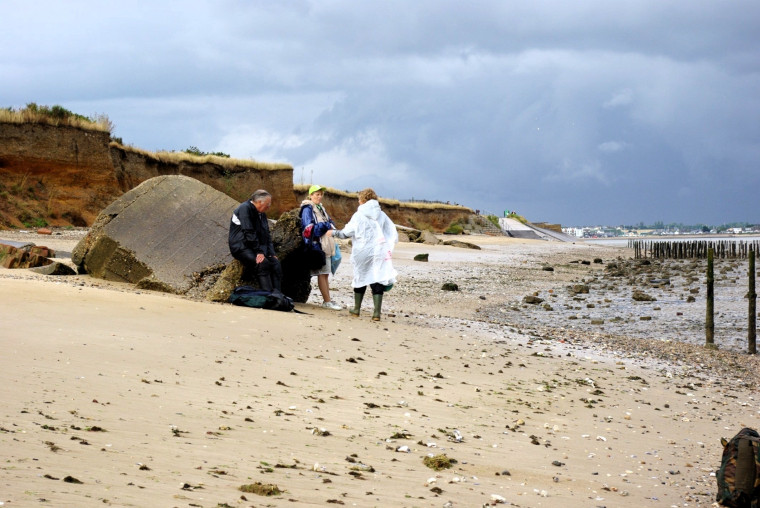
x: 55, y: 116
x: 304, y: 188
x: 225, y: 162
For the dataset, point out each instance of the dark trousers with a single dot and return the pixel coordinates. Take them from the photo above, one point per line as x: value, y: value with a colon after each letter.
x: 268, y: 272
x: 377, y: 289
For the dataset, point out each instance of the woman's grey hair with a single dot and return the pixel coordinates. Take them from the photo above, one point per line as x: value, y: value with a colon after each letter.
x: 260, y: 195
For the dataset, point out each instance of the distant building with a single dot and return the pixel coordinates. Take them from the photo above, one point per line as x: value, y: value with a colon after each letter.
x: 576, y: 232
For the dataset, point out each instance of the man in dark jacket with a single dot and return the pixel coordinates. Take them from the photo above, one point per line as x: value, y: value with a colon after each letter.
x: 251, y: 243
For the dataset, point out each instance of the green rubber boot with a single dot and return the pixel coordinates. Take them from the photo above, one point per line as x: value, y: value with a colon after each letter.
x: 378, y: 300
x: 358, y: 297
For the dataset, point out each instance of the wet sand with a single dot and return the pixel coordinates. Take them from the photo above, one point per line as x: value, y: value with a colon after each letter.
x: 119, y: 397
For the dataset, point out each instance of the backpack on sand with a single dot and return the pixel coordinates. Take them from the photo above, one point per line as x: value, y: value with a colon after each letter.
x: 248, y: 296
x: 739, y: 474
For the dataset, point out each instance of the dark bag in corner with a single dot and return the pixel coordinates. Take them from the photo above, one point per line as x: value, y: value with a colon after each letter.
x: 739, y: 474
x: 247, y: 296
x: 314, y: 255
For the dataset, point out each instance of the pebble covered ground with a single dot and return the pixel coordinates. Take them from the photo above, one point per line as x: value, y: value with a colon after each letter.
x: 527, y: 392
x: 493, y: 284
x: 669, y: 328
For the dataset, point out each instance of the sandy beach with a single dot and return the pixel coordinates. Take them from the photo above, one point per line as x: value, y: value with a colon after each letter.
x: 118, y: 397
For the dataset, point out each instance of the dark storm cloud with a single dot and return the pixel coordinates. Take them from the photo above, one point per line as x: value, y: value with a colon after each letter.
x: 572, y: 112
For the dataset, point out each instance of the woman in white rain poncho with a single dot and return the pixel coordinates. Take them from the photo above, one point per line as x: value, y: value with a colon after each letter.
x: 373, y: 238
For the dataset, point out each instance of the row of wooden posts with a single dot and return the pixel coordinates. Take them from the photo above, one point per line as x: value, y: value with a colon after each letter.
x: 751, y: 296
x: 692, y: 249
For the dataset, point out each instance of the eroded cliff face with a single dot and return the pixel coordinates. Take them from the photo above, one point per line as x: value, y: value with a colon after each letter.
x: 342, y: 207
x: 62, y: 176
x: 132, y: 168
x: 58, y: 175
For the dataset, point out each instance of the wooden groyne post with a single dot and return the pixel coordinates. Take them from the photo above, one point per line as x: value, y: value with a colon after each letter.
x: 752, y: 297
x: 692, y: 249
x: 709, y: 315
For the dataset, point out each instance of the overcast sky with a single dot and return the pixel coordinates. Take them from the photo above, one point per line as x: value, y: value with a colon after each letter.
x: 575, y: 112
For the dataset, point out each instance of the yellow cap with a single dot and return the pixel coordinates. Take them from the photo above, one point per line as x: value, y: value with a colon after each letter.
x: 314, y: 188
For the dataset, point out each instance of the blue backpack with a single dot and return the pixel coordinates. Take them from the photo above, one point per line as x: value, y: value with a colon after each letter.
x: 247, y: 296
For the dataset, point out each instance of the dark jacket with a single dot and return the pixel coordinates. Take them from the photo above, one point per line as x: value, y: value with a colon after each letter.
x: 249, y: 230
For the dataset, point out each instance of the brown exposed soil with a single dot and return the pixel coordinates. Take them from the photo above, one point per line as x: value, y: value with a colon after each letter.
x: 53, y: 175
x: 341, y: 207
x: 64, y: 176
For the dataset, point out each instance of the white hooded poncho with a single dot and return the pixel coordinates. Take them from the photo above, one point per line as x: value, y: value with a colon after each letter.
x: 374, y: 238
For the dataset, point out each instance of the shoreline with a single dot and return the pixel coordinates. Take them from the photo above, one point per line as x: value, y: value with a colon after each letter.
x: 195, y: 399
x: 485, y: 289
x: 706, y: 236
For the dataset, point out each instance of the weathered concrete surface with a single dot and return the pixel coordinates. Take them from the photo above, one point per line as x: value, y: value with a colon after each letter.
x: 517, y: 229
x: 427, y: 237
x: 158, y: 234
x: 54, y: 268
x: 170, y: 234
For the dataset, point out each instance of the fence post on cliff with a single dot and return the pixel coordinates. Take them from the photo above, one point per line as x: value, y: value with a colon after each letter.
x: 709, y: 315
x: 752, y: 297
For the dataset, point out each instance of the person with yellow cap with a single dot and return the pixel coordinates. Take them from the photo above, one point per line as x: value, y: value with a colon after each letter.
x: 317, y: 222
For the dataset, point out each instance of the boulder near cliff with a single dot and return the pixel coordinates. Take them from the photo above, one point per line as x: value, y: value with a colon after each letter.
x: 170, y: 234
